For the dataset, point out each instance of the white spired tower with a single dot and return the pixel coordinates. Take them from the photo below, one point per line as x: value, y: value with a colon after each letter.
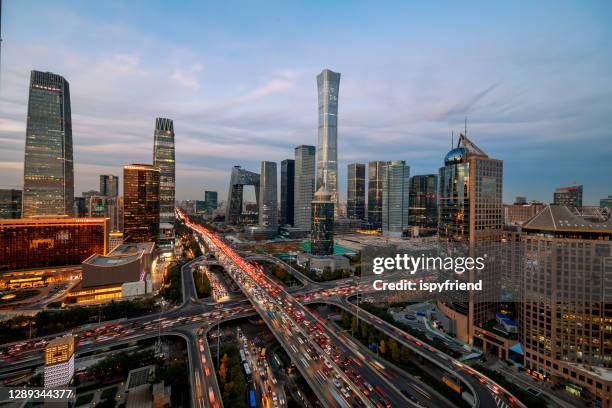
x: 328, y: 84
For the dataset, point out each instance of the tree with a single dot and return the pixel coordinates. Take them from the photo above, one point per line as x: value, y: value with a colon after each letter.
x: 395, y: 351
x: 383, y: 346
x: 223, y: 368
x: 346, y: 319
x: 365, y: 328
x: 354, y: 325
x: 405, y: 354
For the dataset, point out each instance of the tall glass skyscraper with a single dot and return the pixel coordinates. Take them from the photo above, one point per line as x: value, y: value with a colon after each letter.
x: 395, y: 187
x: 355, y: 198
x: 140, y: 203
x: 10, y: 203
x: 322, y: 227
x: 210, y: 201
x: 48, y: 179
x: 423, y: 203
x: 268, y: 196
x: 328, y: 84
x: 109, y: 185
x: 287, y: 191
x: 163, y: 158
x: 304, y: 185
x: 375, y: 194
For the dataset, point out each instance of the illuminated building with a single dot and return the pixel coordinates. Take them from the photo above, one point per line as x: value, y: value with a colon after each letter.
x: 395, y: 186
x: 50, y: 241
x: 115, y: 238
x: 59, y: 362
x: 287, y: 191
x: 471, y: 224
x: 48, y: 180
x: 10, y: 203
x: 566, y: 300
x: 140, y: 203
x: 109, y: 185
x: 423, y: 202
x: 304, y: 186
x: 570, y: 196
x: 322, y: 227
x: 355, y: 197
x: 164, y: 160
x: 328, y: 85
x: 375, y: 194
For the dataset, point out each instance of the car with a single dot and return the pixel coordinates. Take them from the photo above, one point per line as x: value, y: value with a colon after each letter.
x: 337, y: 383
x: 345, y: 392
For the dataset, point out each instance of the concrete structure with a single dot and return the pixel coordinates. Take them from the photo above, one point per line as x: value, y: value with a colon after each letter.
x: 109, y: 185
x: 304, y: 185
x: 395, y: 188
x: 59, y: 362
x: 566, y: 299
x: 322, y: 225
x: 10, y: 203
x: 48, y: 176
x: 164, y: 160
x: 268, y: 196
x: 375, y: 194
x: 423, y: 203
x: 238, y: 179
x: 328, y: 85
x: 50, y: 241
x: 287, y: 192
x: 356, y: 192
x: 471, y: 224
x: 518, y: 214
x: 569, y: 196
x: 141, y: 203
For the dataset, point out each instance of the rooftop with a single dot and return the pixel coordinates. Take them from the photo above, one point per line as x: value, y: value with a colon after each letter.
x: 563, y: 218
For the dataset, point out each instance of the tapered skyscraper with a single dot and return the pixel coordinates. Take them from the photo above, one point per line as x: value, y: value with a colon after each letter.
x: 163, y: 158
x: 328, y: 84
x: 48, y: 180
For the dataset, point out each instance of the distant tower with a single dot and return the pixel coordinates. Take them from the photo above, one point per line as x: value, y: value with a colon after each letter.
x: 268, y: 196
x: 375, y: 194
x: 287, y: 191
x: 163, y: 159
x: 48, y: 179
x: 568, y: 196
x: 304, y: 185
x: 423, y: 201
x: 59, y: 362
x: 140, y: 203
x: 210, y: 201
x: 109, y: 185
x: 355, y: 198
x: 322, y: 227
x: 395, y: 187
x: 328, y: 84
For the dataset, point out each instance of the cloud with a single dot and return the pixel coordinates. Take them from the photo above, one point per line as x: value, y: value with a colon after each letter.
x: 188, y: 77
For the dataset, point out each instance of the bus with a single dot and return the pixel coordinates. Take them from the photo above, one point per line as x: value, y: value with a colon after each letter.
x: 247, y: 371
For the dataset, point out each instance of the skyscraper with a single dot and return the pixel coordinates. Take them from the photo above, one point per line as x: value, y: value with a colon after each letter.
x: 395, y: 187
x: 423, y: 201
x: 210, y: 201
x: 238, y: 179
x: 322, y: 226
x: 569, y: 196
x: 328, y: 84
x: 304, y: 185
x: 109, y: 185
x: 48, y: 179
x: 355, y: 198
x: 375, y: 194
x: 10, y: 203
x: 163, y: 159
x: 268, y: 196
x: 140, y: 203
x: 287, y: 191
x: 471, y: 224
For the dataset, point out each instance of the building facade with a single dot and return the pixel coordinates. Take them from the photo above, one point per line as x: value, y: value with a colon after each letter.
x: 59, y: 362
x: 304, y: 185
x: 268, y: 196
x: 423, y: 202
x: 211, y: 201
x: 570, y: 196
x: 605, y: 202
x: 109, y: 185
x: 140, y: 203
x: 375, y: 189
x: 48, y: 176
x: 10, y: 203
x: 471, y: 224
x: 395, y: 186
x: 164, y: 160
x: 287, y: 191
x: 518, y: 214
x: 50, y: 241
x: 328, y: 85
x: 322, y: 227
x: 356, y: 192
x: 238, y: 179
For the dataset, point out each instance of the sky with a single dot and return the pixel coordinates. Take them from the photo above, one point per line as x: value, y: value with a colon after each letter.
x: 534, y: 80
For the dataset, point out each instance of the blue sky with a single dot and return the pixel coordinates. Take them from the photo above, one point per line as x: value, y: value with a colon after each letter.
x: 238, y: 78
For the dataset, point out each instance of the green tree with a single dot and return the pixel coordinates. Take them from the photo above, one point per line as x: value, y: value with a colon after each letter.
x: 405, y: 354
x: 354, y: 325
x: 395, y: 350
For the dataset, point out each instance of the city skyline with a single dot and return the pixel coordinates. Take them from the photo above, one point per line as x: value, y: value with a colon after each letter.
x: 511, y: 96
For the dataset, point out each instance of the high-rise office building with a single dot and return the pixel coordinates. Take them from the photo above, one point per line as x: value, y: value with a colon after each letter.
x: 109, y: 185
x: 140, y: 203
x: 268, y: 196
x: 566, y: 300
x: 570, y: 196
x: 423, y: 201
x: 605, y: 202
x: 287, y: 191
x: 471, y: 224
x: 59, y: 362
x: 238, y: 179
x: 328, y: 84
x: 375, y: 194
x: 304, y: 185
x: 395, y: 186
x: 48, y: 179
x: 355, y: 197
x: 211, y: 201
x: 163, y: 159
x: 322, y: 225
x: 10, y: 203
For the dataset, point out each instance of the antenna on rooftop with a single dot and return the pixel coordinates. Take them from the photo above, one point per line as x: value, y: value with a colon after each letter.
x: 452, y: 139
x: 465, y: 127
